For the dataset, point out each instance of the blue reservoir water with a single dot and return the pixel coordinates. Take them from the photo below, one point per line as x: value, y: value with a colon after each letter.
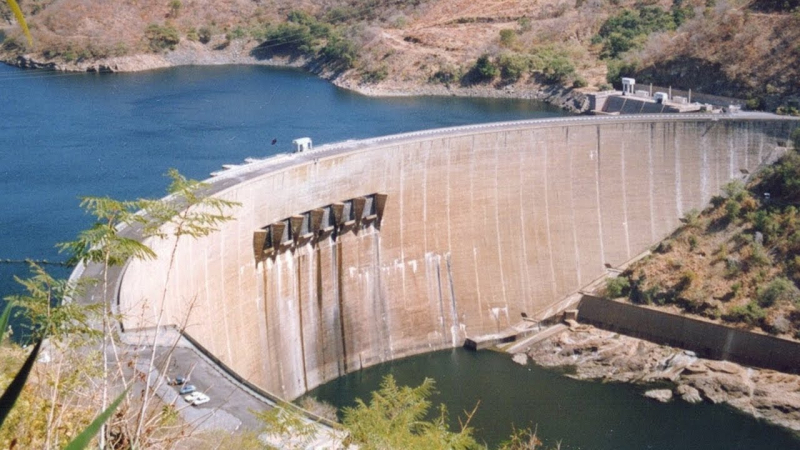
x: 67, y: 135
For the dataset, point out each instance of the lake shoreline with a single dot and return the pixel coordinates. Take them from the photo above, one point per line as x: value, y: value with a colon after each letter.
x: 239, y: 53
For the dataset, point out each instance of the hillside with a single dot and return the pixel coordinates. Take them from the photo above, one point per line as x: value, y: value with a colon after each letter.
x: 737, y: 262
x: 727, y: 47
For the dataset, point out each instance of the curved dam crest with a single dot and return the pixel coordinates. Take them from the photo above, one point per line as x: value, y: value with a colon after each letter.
x: 439, y: 236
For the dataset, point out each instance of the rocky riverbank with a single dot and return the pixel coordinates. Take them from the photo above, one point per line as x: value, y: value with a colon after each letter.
x: 239, y: 52
x: 590, y: 353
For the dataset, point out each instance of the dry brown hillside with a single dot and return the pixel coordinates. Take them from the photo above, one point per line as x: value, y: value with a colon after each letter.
x: 730, y: 47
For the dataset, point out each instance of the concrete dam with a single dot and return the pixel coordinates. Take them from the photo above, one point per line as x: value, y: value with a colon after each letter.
x: 366, y: 251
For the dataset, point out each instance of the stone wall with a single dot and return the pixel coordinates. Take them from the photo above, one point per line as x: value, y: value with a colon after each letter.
x: 708, y: 340
x: 480, y: 225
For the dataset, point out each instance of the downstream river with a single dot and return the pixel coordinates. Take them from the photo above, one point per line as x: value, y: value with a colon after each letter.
x: 67, y: 135
x: 582, y: 415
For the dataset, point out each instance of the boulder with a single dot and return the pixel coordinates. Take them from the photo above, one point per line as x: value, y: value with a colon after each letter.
x: 688, y: 393
x: 662, y: 395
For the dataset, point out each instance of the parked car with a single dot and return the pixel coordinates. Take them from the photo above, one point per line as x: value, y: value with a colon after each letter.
x: 177, y: 381
x: 187, y: 389
x: 200, y: 399
x: 191, y: 397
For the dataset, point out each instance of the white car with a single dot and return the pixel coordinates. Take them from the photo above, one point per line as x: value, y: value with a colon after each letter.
x: 200, y: 398
x: 192, y: 397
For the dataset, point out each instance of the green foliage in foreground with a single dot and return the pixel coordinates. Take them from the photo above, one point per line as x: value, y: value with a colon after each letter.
x: 396, y: 417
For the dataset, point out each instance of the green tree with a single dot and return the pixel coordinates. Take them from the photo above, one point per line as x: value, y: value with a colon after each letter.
x: 340, y: 51
x: 103, y: 244
x: 617, y: 287
x: 484, y: 69
x: 397, y: 417
x: 512, y: 66
x: 46, y: 308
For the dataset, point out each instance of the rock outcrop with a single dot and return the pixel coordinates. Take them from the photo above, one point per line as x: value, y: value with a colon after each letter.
x: 599, y: 354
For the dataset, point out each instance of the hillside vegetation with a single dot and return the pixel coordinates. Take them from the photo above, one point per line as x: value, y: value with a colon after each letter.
x: 741, y: 48
x: 738, y: 261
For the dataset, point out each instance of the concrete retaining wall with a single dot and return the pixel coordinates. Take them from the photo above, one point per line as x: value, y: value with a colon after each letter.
x: 708, y: 340
x: 480, y: 224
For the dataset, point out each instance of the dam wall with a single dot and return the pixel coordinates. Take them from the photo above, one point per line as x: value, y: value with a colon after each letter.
x: 363, y: 252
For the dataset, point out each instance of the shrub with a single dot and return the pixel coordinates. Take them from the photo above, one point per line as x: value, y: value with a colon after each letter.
x: 736, y: 288
x: 204, y: 34
x: 693, y: 243
x: 795, y: 138
x: 642, y: 296
x: 580, y: 82
x: 692, y: 218
x: 558, y: 68
x: 161, y: 38
x: 290, y: 37
x: 236, y: 33
x: 120, y: 49
x: 174, y: 8
x: 376, y: 75
x: 664, y: 246
x: 617, y: 69
x: 342, y: 52
x: 732, y: 267
x: 732, y: 209
x: 617, y: 287
x: 779, y: 290
x: 484, y: 70
x: 507, y: 37
x: 687, y: 279
x: 524, y: 24
x: 755, y: 104
x: 751, y: 314
x: 758, y: 255
x: 445, y: 75
x: 734, y: 189
x: 629, y: 29
x: 512, y: 66
x: 764, y: 222
x: 340, y: 14
x: 11, y: 44
x: 192, y: 35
